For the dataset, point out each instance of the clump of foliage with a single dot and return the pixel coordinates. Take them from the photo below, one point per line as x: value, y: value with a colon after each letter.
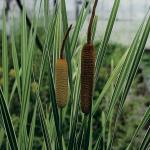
x: 38, y: 117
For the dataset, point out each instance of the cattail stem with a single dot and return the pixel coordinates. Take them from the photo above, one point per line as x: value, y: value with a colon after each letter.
x: 87, y: 130
x: 60, y: 123
x: 89, y: 34
x: 85, y: 143
x: 64, y: 40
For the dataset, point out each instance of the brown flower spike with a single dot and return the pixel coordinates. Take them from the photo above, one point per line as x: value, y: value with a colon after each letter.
x: 87, y: 68
x: 62, y: 76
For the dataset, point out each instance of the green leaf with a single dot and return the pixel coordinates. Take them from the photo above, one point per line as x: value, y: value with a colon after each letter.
x: 2, y: 134
x: 46, y: 55
x: 143, y: 122
x: 24, y: 50
x: 79, y: 25
x: 43, y: 124
x: 47, y: 45
x: 102, y: 49
x: 129, y: 72
x: 80, y: 135
x: 108, y: 84
x: 5, y: 59
x: 26, y: 80
x: 46, y: 13
x: 131, y: 59
x: 103, y: 128
x: 8, y: 126
x: 53, y: 101
x: 146, y: 140
x: 32, y: 129
x: 138, y: 56
x: 16, y: 66
x: 74, y: 111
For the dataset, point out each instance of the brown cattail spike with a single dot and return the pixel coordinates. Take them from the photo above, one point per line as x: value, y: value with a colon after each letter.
x: 91, y: 22
x: 87, y: 77
x: 64, y: 40
x: 62, y: 76
x: 87, y: 69
x: 61, y: 82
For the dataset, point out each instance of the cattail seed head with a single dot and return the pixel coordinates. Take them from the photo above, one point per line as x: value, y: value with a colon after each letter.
x: 62, y: 76
x: 61, y: 82
x: 88, y: 68
x: 87, y: 77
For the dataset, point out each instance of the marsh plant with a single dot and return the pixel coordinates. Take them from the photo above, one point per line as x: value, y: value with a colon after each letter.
x: 67, y: 121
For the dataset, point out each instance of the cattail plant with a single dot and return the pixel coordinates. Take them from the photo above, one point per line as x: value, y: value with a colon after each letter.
x: 67, y: 129
x: 87, y: 68
x: 62, y: 76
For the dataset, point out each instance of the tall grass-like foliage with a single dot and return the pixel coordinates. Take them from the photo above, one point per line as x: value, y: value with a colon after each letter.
x: 80, y: 131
